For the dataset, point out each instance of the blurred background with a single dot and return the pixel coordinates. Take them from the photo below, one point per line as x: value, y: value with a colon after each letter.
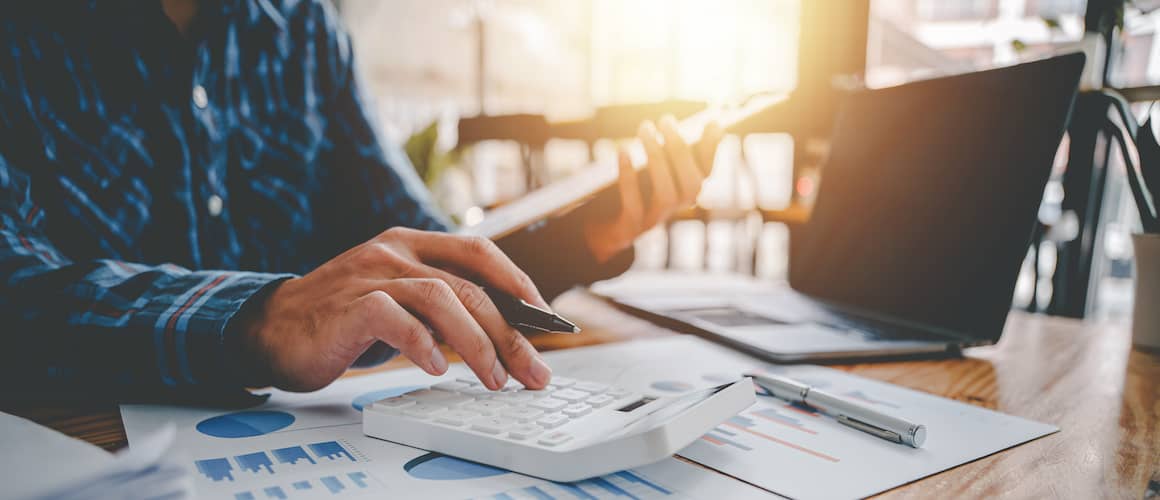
x: 494, y: 98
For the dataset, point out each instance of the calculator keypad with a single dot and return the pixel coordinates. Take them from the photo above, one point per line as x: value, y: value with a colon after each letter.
x: 513, y: 412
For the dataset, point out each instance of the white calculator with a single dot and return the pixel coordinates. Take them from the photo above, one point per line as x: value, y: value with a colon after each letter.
x: 569, y: 431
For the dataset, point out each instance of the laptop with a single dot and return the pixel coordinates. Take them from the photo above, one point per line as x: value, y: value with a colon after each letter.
x: 924, y: 214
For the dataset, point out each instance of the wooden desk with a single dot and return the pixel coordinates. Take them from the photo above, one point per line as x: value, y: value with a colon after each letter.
x: 1083, y: 377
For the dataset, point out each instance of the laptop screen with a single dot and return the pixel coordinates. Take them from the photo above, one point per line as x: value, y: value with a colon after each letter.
x: 930, y: 195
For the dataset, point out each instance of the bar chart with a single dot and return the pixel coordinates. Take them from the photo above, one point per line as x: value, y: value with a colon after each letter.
x: 354, y: 483
x: 619, y: 485
x: 275, y: 462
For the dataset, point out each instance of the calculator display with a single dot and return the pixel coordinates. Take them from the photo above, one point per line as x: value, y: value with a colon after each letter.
x: 636, y: 404
x: 664, y: 412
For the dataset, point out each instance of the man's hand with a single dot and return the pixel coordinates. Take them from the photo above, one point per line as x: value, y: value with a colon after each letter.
x: 406, y: 288
x: 675, y: 170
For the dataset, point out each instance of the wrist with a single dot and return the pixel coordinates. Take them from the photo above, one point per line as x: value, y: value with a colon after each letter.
x: 246, y: 347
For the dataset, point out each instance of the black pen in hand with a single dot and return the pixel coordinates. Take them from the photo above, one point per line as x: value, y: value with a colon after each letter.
x: 521, y: 314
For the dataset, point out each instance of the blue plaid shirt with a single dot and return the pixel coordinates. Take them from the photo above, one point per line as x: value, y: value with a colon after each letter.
x: 150, y: 183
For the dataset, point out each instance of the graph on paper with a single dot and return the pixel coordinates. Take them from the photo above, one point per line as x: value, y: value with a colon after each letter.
x: 286, y: 460
x: 330, y: 486
x: 625, y: 484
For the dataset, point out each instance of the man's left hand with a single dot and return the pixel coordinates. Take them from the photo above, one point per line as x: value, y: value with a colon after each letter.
x: 675, y: 170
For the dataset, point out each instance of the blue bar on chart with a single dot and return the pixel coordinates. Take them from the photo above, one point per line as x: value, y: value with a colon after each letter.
x: 624, y: 484
x: 302, y: 485
x: 359, y: 478
x: 333, y: 484
x: 245, y: 495
x: 716, y: 438
x: 260, y: 462
x: 255, y: 462
x: 275, y: 492
x: 217, y: 469
x: 741, y: 421
x: 292, y: 455
x: 635, y: 479
x: 331, y: 450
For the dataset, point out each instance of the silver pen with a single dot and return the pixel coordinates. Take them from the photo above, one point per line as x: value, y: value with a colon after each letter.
x: 846, y: 412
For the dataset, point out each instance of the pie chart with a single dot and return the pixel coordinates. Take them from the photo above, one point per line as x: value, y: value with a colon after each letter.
x: 245, y: 424
x: 436, y: 467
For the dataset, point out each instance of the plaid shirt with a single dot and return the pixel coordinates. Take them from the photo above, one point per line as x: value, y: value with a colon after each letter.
x: 142, y: 170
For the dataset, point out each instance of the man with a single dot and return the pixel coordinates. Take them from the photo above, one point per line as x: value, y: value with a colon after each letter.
x: 193, y: 201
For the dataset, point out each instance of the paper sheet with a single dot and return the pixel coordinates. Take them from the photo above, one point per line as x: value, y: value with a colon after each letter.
x: 38, y: 462
x: 311, y: 446
x: 299, y: 439
x: 790, y: 450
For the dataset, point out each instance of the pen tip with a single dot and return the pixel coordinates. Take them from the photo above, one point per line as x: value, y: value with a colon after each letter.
x: 575, y: 329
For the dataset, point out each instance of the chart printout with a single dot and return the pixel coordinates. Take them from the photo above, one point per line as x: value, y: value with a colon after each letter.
x: 312, y: 446
x: 303, y: 446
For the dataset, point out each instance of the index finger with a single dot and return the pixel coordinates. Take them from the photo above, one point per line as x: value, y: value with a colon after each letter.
x: 481, y: 257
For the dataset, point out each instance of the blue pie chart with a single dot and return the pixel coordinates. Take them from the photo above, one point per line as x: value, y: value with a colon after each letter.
x: 436, y: 467
x: 370, y: 397
x: 245, y: 424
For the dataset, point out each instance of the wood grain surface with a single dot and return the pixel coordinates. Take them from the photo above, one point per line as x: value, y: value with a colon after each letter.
x: 1083, y: 377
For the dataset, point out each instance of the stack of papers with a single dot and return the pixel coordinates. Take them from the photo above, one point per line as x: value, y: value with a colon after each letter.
x: 40, y: 463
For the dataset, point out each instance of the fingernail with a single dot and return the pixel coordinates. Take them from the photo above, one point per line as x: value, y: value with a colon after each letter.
x: 541, y: 372
x: 438, y: 362
x: 498, y: 374
x: 668, y: 121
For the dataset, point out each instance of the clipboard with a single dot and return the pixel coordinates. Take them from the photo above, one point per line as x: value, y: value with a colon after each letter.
x: 599, y: 181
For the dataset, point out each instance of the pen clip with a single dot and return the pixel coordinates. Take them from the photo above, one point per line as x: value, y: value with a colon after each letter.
x: 869, y: 428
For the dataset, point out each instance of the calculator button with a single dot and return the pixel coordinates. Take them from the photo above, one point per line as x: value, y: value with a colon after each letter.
x: 571, y: 395
x: 591, y: 387
x: 492, y: 425
x: 451, y: 385
x: 599, y: 400
x: 486, y: 407
x: 423, y: 410
x: 477, y: 390
x: 395, y: 403
x: 542, y: 393
x: 522, y: 414
x: 429, y: 395
x: 550, y: 404
x: 555, y: 438
x: 552, y: 421
x: 618, y: 393
x: 512, y: 386
x: 456, y: 417
x: 524, y: 431
x: 577, y: 410
x: 514, y: 397
x: 467, y: 380
x: 563, y: 381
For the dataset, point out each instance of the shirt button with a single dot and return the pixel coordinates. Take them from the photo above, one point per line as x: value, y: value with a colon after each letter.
x: 200, y: 98
x: 214, y: 205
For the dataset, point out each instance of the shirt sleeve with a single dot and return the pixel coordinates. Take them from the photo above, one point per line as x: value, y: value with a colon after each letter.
x: 374, y: 182
x: 108, y: 329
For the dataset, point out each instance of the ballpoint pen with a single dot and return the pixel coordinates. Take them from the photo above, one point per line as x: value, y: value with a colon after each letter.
x: 846, y: 412
x: 522, y: 314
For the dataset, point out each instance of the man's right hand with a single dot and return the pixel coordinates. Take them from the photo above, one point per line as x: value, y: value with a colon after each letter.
x: 407, y: 288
